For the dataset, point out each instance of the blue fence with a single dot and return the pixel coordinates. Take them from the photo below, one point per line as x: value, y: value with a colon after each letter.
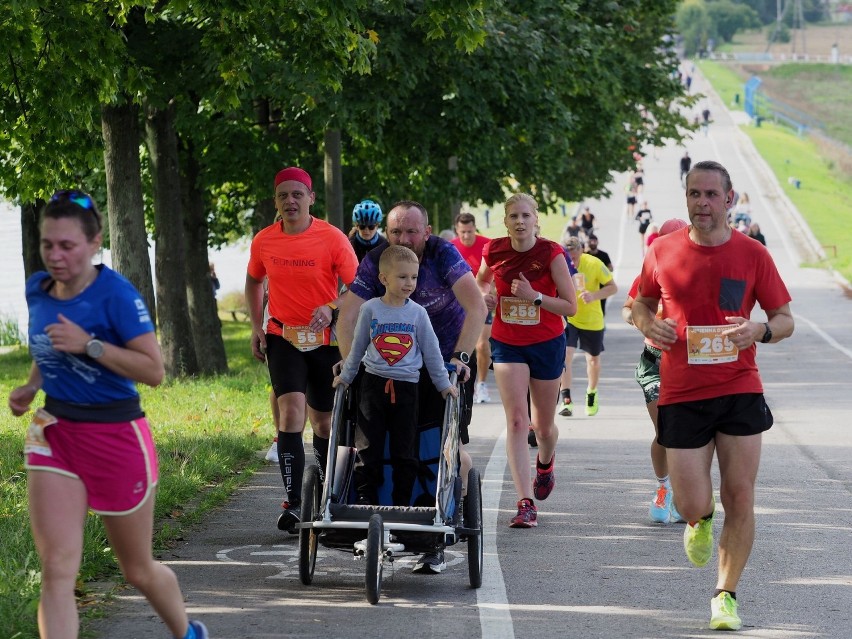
x: 760, y: 107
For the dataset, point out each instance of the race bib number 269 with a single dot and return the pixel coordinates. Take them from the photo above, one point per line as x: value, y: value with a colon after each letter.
x: 707, y: 345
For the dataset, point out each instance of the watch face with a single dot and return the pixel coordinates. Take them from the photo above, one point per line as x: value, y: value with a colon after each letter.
x: 95, y: 348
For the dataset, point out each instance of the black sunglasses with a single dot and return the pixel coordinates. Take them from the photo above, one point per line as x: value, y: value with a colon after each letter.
x: 366, y: 226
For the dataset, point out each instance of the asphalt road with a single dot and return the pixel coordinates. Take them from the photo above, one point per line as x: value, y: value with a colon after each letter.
x: 595, y: 566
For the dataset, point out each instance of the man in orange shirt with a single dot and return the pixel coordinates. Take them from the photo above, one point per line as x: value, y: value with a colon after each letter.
x: 305, y: 260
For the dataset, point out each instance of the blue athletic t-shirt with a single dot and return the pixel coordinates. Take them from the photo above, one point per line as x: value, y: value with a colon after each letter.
x: 111, y: 310
x: 441, y: 267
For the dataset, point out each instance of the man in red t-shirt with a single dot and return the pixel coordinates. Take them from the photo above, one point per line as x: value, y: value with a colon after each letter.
x: 711, y: 396
x: 304, y: 260
x: 470, y: 244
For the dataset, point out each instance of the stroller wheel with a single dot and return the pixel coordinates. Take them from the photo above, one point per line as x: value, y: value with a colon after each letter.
x: 373, y: 556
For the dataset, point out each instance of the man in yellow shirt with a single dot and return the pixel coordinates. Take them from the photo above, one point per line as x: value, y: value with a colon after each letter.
x: 593, y: 283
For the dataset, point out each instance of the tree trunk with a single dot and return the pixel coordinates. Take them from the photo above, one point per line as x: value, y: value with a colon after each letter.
x: 175, y: 330
x: 30, y: 241
x: 125, y: 212
x: 203, y: 312
x: 333, y: 179
x: 264, y: 210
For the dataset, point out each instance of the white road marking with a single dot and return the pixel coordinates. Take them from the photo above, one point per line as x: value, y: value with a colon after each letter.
x: 495, y: 618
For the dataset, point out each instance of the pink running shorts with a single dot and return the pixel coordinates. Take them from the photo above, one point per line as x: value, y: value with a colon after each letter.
x: 117, y: 462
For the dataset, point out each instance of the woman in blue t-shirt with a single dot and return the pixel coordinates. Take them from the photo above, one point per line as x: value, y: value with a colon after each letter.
x: 90, y: 446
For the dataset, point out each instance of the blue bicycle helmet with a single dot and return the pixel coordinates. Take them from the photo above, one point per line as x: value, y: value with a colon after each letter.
x: 367, y: 212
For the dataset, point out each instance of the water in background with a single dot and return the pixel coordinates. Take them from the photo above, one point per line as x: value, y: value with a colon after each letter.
x: 230, y: 263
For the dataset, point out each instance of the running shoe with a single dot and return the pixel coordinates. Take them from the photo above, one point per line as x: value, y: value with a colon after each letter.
x: 272, y: 453
x: 531, y: 440
x: 723, y: 612
x: 661, y: 505
x: 545, y: 480
x: 288, y: 519
x: 431, y: 563
x: 200, y: 630
x: 481, y: 394
x: 591, y: 403
x: 567, y: 407
x: 698, y: 540
x: 527, y: 516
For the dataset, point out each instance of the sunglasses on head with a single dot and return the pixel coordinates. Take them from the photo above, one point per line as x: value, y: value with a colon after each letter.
x: 367, y: 226
x: 77, y: 197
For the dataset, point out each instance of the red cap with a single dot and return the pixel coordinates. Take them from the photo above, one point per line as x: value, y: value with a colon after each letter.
x: 293, y: 173
x: 670, y: 226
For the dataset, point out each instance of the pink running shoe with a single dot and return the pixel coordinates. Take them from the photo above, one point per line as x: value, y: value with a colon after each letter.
x: 527, y: 516
x: 545, y: 480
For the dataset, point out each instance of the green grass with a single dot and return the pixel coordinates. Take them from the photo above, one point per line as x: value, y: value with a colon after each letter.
x: 821, y: 90
x: 10, y: 332
x: 825, y: 198
x: 208, y: 432
x: 725, y: 80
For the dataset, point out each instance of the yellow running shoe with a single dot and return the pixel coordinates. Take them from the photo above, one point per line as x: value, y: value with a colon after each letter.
x: 698, y: 540
x: 591, y: 402
x: 723, y: 613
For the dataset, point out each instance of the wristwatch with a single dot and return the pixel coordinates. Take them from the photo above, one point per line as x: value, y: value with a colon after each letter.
x: 463, y: 357
x: 767, y: 335
x: 538, y: 299
x: 94, y: 348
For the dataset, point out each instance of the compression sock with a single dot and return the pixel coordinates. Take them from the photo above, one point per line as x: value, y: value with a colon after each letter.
x: 291, y: 456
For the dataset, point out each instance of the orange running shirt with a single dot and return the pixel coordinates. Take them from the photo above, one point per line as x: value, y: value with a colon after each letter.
x: 303, y: 269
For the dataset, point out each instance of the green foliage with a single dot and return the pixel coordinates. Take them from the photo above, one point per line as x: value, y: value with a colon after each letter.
x: 781, y: 34
x: 514, y: 90
x: 728, y: 17
x: 694, y: 25
x: 10, y: 332
x: 208, y: 433
x: 522, y: 110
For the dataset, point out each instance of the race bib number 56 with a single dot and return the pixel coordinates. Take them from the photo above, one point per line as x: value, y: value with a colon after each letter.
x: 707, y: 345
x: 304, y: 338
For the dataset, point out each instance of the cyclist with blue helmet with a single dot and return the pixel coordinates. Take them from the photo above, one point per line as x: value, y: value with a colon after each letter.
x: 365, y: 236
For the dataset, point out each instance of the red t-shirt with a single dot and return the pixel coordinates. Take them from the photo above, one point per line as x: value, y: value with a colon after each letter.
x: 472, y: 254
x: 505, y: 262
x: 303, y: 269
x: 700, y: 286
x: 634, y: 291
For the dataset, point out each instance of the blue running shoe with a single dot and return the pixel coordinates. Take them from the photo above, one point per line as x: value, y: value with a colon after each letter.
x: 200, y: 630
x: 661, y: 505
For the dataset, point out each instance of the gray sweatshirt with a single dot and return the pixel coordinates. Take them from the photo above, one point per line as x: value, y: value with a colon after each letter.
x: 393, y: 342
